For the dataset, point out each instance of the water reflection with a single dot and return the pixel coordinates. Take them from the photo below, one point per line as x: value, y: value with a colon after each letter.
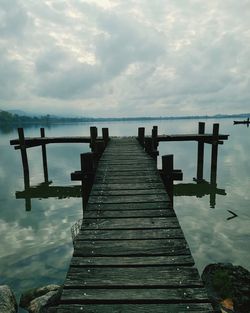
x: 45, y: 190
x: 199, y: 190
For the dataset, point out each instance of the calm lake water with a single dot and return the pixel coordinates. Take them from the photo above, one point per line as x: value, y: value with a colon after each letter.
x: 36, y: 245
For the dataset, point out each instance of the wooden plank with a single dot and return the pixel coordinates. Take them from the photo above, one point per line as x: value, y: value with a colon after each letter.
x: 159, y: 295
x: 126, y: 179
x: 147, y: 277
x: 121, y: 261
x: 130, y: 167
x: 128, y: 192
x: 127, y: 186
x: 142, y: 173
x: 131, y: 213
x: 114, y: 161
x: 130, y: 223
x: 128, y: 199
x: 156, y: 247
x: 135, y: 308
x: 161, y: 233
x: 129, y: 206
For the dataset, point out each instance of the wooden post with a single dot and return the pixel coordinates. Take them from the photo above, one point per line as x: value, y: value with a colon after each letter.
x: 93, y: 137
x: 87, y: 171
x: 24, y: 158
x: 200, y: 153
x: 105, y: 135
x: 44, y: 155
x: 214, y: 154
x: 154, y: 137
x: 167, y: 174
x: 141, y: 135
x: 98, y: 151
x: 148, y: 145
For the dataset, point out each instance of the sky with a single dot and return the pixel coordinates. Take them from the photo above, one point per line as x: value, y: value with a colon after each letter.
x: 112, y: 58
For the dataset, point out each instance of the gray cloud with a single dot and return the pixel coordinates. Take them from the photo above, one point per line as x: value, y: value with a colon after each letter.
x: 154, y: 58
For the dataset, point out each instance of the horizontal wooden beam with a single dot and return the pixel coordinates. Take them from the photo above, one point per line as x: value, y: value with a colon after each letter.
x: 190, y: 137
x: 36, y: 141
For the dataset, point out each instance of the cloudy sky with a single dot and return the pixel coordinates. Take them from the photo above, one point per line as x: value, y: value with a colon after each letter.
x: 125, y: 57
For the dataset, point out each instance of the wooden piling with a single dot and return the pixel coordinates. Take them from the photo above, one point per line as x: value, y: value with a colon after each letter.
x: 93, y: 137
x: 200, y: 153
x: 148, y: 145
x: 24, y: 158
x: 167, y: 174
x: 105, y: 135
x: 154, y: 137
x: 44, y: 156
x: 214, y: 154
x: 141, y: 135
x: 87, y: 170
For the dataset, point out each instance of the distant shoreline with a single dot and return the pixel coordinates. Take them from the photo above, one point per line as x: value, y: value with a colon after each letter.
x: 7, y: 118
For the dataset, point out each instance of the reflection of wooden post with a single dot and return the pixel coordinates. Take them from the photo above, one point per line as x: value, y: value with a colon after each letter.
x: 93, y: 136
x: 28, y: 204
x: 44, y: 155
x: 105, y: 135
x: 167, y: 174
x: 24, y: 158
x: 87, y: 172
x: 141, y: 135
x: 214, y: 154
x: 200, y: 154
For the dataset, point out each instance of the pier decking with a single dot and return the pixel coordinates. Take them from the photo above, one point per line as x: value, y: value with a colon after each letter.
x: 130, y: 254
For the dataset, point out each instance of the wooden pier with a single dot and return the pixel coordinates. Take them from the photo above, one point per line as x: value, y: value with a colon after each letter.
x: 130, y: 254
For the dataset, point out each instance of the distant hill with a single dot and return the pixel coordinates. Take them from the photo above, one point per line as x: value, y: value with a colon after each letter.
x: 20, y: 117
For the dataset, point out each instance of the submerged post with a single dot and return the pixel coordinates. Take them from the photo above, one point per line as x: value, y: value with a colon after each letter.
x: 167, y: 174
x: 141, y: 135
x: 93, y: 137
x: 105, y: 135
x: 200, y: 153
x: 44, y: 155
x: 214, y: 154
x: 87, y: 174
x: 24, y: 158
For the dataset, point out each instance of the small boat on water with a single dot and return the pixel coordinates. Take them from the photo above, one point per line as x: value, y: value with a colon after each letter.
x: 243, y: 122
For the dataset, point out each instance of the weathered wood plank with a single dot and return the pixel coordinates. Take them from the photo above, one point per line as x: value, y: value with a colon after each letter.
x: 156, y: 277
x: 129, y: 206
x: 128, y: 199
x: 129, y: 214
x: 133, y: 173
x: 121, y: 261
x: 135, y: 308
x: 100, y: 178
x: 128, y: 186
x: 151, y: 233
x: 156, y: 247
x: 134, y: 192
x: 131, y: 295
x: 127, y: 168
x: 130, y: 223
